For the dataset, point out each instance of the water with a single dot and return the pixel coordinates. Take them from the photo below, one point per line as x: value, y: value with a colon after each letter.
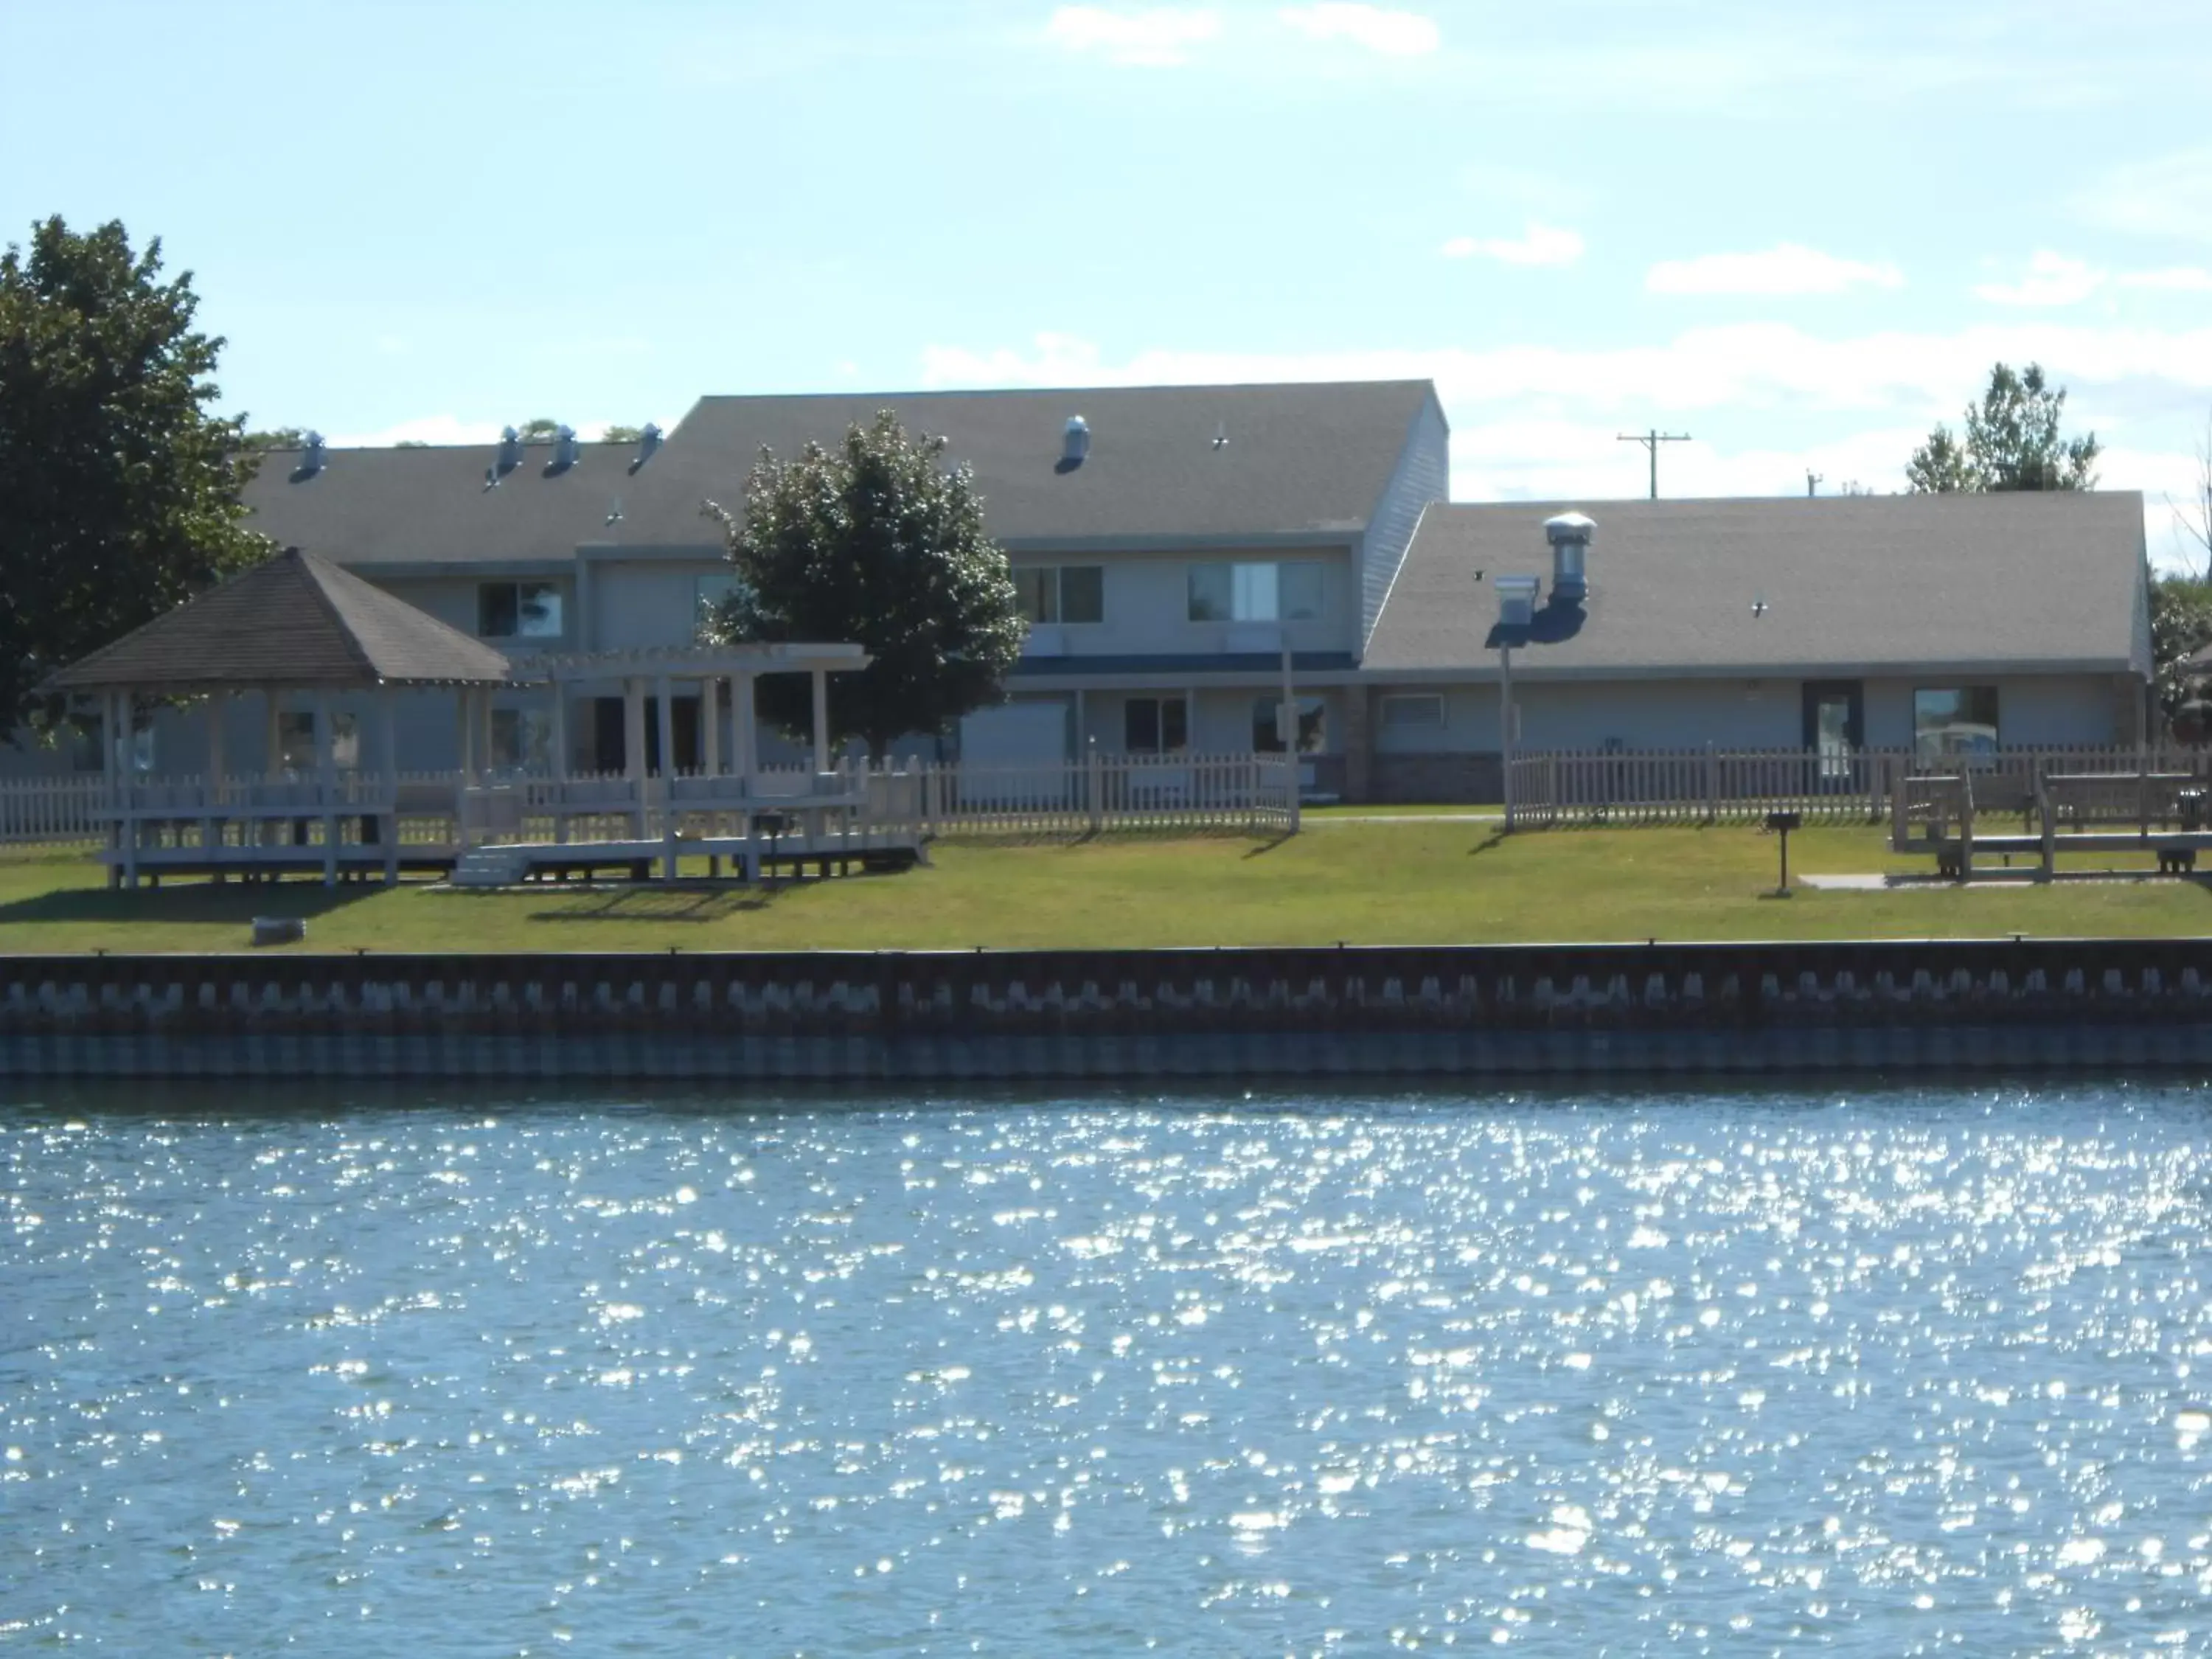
x: 1893, y: 1373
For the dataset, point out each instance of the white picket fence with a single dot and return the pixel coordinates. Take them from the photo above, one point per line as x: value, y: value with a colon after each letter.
x: 60, y: 810
x: 1255, y: 795
x: 1710, y: 786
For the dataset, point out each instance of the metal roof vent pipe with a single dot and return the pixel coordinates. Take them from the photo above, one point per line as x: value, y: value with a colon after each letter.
x: 565, y: 451
x: 1074, y: 443
x: 311, y: 459
x: 510, y: 453
x: 1569, y: 535
x: 647, y: 441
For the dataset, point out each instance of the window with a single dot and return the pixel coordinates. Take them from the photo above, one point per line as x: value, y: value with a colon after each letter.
x: 708, y: 593
x: 1313, y: 727
x: 1963, y: 721
x: 1408, y: 711
x: 1061, y: 594
x: 1156, y: 725
x: 295, y: 741
x: 521, y: 739
x: 518, y: 610
x: 1255, y: 592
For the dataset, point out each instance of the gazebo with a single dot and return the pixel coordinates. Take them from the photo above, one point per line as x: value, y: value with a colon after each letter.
x: 294, y: 624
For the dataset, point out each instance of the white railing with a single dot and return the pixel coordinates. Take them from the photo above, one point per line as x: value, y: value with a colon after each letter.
x: 1255, y: 795
x: 1712, y: 785
x: 54, y: 809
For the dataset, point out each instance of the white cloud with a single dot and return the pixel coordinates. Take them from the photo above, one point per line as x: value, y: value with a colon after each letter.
x: 1158, y: 38
x: 1539, y: 245
x: 1391, y: 34
x: 2171, y: 195
x: 2052, y: 279
x: 2186, y: 279
x: 1788, y: 268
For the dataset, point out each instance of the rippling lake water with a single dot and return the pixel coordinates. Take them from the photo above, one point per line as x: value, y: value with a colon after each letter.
x: 1886, y: 1372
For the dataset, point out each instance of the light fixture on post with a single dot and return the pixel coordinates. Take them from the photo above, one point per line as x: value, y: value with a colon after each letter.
x: 1516, y: 612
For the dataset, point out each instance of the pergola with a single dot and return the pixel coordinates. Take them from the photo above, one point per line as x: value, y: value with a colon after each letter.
x: 295, y: 624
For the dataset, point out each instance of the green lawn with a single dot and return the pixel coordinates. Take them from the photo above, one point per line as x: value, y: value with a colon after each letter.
x: 1421, y: 881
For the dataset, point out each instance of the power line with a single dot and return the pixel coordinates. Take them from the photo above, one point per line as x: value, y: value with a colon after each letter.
x: 1652, y: 440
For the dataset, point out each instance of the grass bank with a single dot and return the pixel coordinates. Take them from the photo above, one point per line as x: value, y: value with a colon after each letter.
x: 1369, y: 883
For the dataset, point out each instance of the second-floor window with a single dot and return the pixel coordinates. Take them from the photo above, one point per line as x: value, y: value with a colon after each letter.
x: 1255, y: 590
x: 518, y: 611
x: 1061, y: 593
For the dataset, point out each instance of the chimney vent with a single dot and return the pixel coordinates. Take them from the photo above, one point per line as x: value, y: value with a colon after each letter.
x: 311, y: 459
x: 1571, y: 535
x: 1075, y: 442
x: 510, y: 453
x: 565, y: 452
x: 647, y: 441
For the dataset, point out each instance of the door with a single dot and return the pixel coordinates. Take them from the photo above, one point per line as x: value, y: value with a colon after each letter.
x: 1835, y: 728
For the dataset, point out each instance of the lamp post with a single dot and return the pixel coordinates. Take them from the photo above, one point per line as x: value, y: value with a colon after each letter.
x: 1517, y: 609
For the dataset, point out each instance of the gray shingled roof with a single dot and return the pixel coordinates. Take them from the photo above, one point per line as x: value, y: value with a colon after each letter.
x: 429, y: 506
x: 1847, y: 585
x: 295, y: 621
x: 1299, y: 460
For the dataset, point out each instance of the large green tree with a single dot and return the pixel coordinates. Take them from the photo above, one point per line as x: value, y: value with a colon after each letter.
x: 118, y: 486
x: 876, y: 542
x: 2012, y: 442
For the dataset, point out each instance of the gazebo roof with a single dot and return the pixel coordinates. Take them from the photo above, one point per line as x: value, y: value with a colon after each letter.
x: 294, y: 621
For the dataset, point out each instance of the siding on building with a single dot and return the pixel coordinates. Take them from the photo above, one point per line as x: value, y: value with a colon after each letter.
x: 1422, y: 475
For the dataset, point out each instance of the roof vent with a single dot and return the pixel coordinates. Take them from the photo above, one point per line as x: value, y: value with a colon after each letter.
x: 565, y: 451
x: 1516, y: 599
x: 1221, y: 434
x: 311, y: 459
x: 510, y: 453
x: 647, y: 441
x: 1569, y: 535
x: 1075, y: 442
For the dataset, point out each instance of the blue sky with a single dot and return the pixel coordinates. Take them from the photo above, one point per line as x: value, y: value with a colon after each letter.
x: 1799, y: 234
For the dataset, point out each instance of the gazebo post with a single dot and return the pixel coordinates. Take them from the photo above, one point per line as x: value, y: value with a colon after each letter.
x: 272, y: 760
x: 634, y: 750
x: 666, y: 722
x: 560, y: 761
x: 387, y: 711
x: 710, y: 743
x: 746, y: 741
x: 326, y: 786
x: 107, y: 769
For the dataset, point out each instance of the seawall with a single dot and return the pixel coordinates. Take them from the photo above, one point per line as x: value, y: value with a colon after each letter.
x: 1520, y: 1009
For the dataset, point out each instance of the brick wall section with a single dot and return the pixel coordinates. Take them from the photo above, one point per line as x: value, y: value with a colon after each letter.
x: 1427, y: 779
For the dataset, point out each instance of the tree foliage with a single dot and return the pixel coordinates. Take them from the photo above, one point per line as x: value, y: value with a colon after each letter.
x: 877, y: 542
x: 2180, y: 626
x: 541, y: 429
x: 2012, y: 442
x: 621, y: 435
x: 276, y: 437
x: 118, y: 489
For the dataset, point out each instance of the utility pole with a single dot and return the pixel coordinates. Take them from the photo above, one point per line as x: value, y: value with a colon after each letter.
x: 1814, y: 481
x: 1652, y: 440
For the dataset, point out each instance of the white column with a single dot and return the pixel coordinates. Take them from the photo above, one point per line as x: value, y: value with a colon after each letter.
x: 634, y: 750
x: 747, y: 735
x: 665, y: 721
x: 387, y: 711
x: 559, y: 759
x: 821, y: 719
x: 710, y: 724
x: 326, y: 787
x: 1505, y: 724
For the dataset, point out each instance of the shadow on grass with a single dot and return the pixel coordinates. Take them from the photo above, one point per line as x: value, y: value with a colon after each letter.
x: 1269, y: 844
x: 201, y: 902
x: 1489, y: 844
x: 659, y: 903
x: 1163, y: 835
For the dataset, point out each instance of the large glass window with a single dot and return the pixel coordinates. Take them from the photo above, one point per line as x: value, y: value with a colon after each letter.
x: 1061, y: 593
x: 518, y: 611
x: 1313, y: 727
x: 1156, y: 725
x: 1955, y: 722
x: 1255, y: 590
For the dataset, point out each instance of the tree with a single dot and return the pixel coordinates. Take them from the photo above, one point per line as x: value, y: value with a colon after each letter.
x: 278, y: 437
x: 877, y: 542
x: 2012, y: 442
x: 118, y: 489
x: 2180, y: 626
x: 542, y: 431
x: 622, y: 435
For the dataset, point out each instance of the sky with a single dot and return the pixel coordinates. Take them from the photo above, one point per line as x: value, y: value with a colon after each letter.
x: 1800, y: 235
